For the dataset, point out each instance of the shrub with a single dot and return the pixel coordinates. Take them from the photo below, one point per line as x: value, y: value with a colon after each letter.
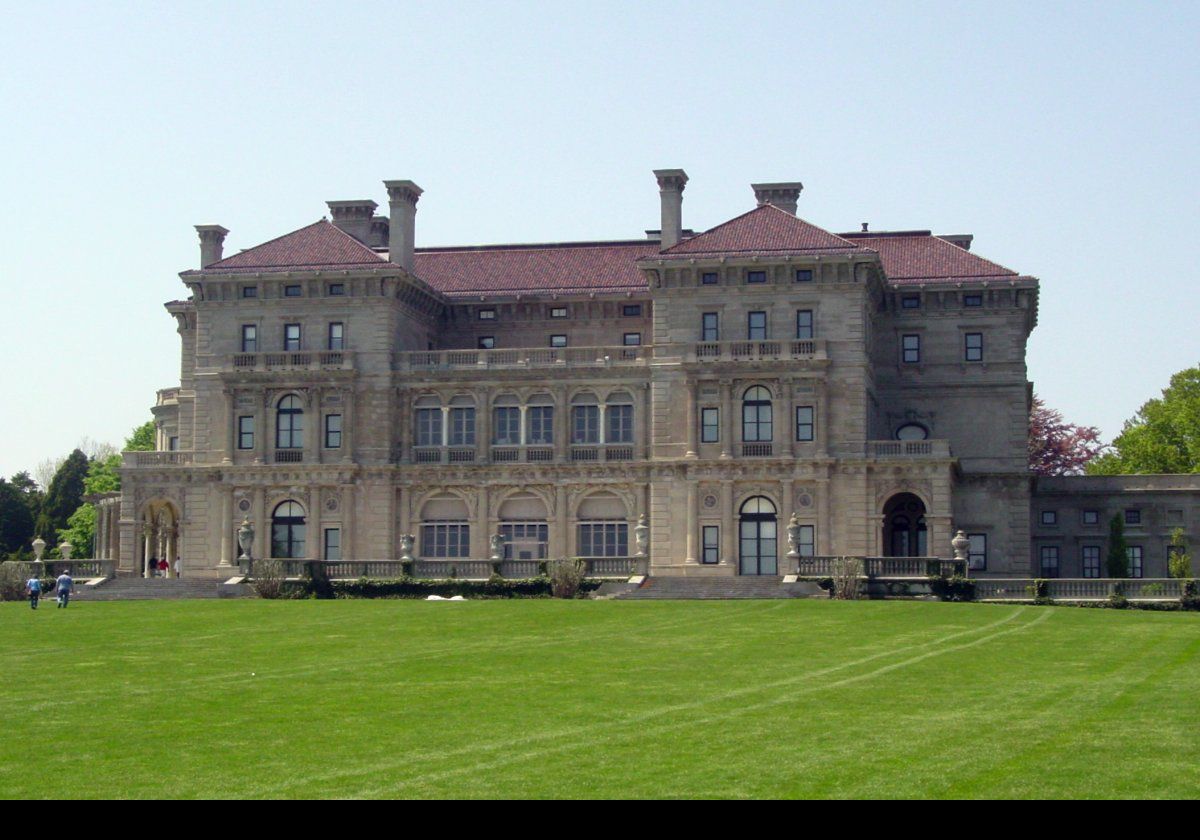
x: 268, y: 578
x: 12, y: 582
x: 566, y: 578
x: 955, y: 588
x: 1179, y: 562
x: 847, y: 578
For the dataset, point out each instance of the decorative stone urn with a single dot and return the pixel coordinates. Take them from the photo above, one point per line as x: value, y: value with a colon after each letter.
x: 961, y: 543
x: 406, y: 554
x: 64, y: 550
x: 39, y: 548
x: 793, y: 542
x: 496, y: 556
x: 641, y: 536
x: 245, y: 538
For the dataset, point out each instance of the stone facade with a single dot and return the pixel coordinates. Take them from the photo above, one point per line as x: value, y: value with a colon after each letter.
x: 339, y: 396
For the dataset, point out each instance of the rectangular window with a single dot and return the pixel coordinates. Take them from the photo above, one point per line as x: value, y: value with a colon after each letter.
x: 709, y: 330
x: 487, y: 314
x: 972, y: 300
x: 249, y: 292
x: 710, y: 425
x: 603, y: 539
x: 291, y: 291
x: 709, y: 278
x: 804, y: 323
x: 1091, y: 561
x: 462, y: 426
x: 631, y: 339
x: 631, y: 310
x: 1133, y: 516
x: 804, y: 422
x: 1133, y: 554
x: 291, y: 336
x: 429, y: 427
x: 525, y: 540
x: 246, y: 432
x: 1091, y: 517
x: 911, y: 349
x: 558, y: 341
x: 333, y: 431
x: 973, y: 347
x: 487, y: 342
x: 558, y: 312
x: 756, y: 277
x: 804, y: 275
x: 977, y: 552
x: 540, y: 424
x: 445, y: 540
x: 756, y: 326
x: 910, y: 302
x: 1049, y: 517
x: 620, y: 424
x: 333, y: 543
x: 807, y: 545
x: 173, y: 443
x: 585, y: 424
x: 249, y: 338
x: 506, y: 426
x: 711, y: 539
x: 1049, y: 561
x: 337, y: 290
x: 337, y: 336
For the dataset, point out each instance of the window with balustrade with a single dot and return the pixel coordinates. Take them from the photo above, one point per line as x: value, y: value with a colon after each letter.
x: 1049, y: 561
x: 333, y: 543
x: 428, y: 425
x: 1133, y: 555
x: 291, y: 337
x: 618, y: 417
x: 337, y: 336
x: 756, y: 326
x: 462, y: 424
x: 249, y: 338
x: 445, y: 540
x: 288, y: 531
x: 1090, y: 561
x: 585, y: 423
x: 289, y: 423
x: 709, y: 329
x: 603, y: 539
x: 757, y: 422
x: 540, y: 419
x: 977, y: 552
x: 804, y: 323
x: 506, y: 425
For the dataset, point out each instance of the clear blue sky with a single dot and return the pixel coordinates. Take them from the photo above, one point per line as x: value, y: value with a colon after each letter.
x: 1063, y: 136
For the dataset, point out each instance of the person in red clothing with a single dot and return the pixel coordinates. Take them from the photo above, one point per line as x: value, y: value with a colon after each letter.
x: 162, y: 567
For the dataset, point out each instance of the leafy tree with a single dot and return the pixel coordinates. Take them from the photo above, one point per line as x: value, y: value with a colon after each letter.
x: 1179, y: 562
x: 103, y: 476
x: 32, y: 497
x: 1163, y: 437
x: 141, y: 439
x: 1118, y: 558
x: 80, y: 531
x: 1057, y: 447
x: 64, y: 496
x: 16, y: 520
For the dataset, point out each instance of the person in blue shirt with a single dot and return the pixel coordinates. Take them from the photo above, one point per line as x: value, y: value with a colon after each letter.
x: 63, y: 584
x: 33, y: 588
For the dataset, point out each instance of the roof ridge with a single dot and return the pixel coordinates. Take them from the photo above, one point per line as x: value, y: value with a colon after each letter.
x: 791, y: 225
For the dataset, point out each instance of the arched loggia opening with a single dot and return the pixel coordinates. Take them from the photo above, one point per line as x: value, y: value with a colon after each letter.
x: 288, y: 531
x: 904, y: 531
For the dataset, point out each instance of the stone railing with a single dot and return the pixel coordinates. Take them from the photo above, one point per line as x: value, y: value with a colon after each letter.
x: 157, y: 459
x: 78, y: 569
x: 522, y: 357
x: 754, y: 351
x: 615, y: 567
x: 907, y: 449
x: 294, y: 360
x: 1080, y: 589
x: 881, y: 567
x: 465, y: 569
x: 509, y: 454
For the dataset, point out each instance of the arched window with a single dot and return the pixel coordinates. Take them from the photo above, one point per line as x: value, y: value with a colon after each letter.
x: 445, y: 533
x: 756, y: 415
x: 603, y: 529
x: 757, y: 537
x: 287, y: 531
x: 289, y: 424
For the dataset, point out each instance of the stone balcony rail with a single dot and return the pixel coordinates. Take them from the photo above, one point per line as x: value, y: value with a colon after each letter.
x: 752, y: 351
x: 522, y: 357
x: 1080, y: 589
x: 884, y: 567
x: 907, y: 449
x: 158, y: 459
x: 461, y: 569
x: 294, y: 360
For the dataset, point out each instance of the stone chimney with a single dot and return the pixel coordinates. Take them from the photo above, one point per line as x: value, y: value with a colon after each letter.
x: 783, y: 196
x: 670, y: 189
x: 962, y: 240
x: 353, y: 217
x: 402, y: 227
x: 212, y: 243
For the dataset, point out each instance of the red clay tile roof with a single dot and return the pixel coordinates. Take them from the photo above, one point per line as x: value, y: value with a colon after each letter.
x: 764, y: 230
x: 541, y: 269
x: 919, y: 258
x: 320, y: 245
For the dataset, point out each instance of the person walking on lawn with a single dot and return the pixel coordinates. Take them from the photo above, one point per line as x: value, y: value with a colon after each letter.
x: 33, y: 588
x: 63, y: 585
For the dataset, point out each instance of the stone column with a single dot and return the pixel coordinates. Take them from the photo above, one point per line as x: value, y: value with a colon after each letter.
x: 821, y: 416
x: 262, y: 428
x: 644, y: 448
x: 226, y: 525
x: 262, y: 527
x: 562, y: 527
x: 347, y: 435
x: 170, y: 536
x: 728, y: 538
x: 692, y: 525
x: 348, y: 522
x: 562, y: 423
x: 147, y: 547
x: 483, y: 426
x: 824, y: 544
x: 481, y: 530
x: 230, y: 441
x: 314, y: 438
x: 779, y: 422
x: 727, y: 427
x: 313, y: 521
x: 692, y: 421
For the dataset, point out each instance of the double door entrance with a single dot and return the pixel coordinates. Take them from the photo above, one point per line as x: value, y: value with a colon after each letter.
x: 758, y: 541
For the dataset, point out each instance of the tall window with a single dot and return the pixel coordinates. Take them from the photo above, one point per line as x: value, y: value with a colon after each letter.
x: 287, y: 531
x: 249, y: 338
x: 506, y: 425
x: 710, y: 425
x: 619, y: 419
x: 804, y: 323
x: 246, y: 432
x: 540, y: 423
x: 807, y: 545
x: 462, y: 426
x: 1049, y: 555
x: 756, y: 326
x: 337, y: 336
x: 977, y: 552
x: 291, y: 337
x: 756, y: 415
x: 973, y: 347
x: 804, y: 422
x: 709, y: 330
x: 1091, y: 561
x: 911, y: 349
x: 289, y: 424
x: 1133, y: 554
x: 442, y: 540
x: 711, y: 538
x: 603, y: 539
x: 429, y: 427
x: 333, y: 431
x: 333, y: 543
x: 585, y: 424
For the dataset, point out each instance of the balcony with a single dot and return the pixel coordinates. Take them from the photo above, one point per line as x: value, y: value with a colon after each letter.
x: 292, y: 360
x: 908, y: 449
x: 756, y: 351
x: 518, y: 454
x: 158, y: 459
x: 602, y: 452
x: 522, y: 357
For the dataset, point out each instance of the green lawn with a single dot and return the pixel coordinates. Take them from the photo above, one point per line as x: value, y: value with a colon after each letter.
x: 596, y: 699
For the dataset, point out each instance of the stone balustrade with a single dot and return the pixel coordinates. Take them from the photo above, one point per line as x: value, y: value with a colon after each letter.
x: 907, y: 449
x: 753, y: 351
x: 158, y: 459
x: 522, y: 357
x: 1080, y: 589
x: 462, y: 569
x: 294, y: 360
x: 880, y: 567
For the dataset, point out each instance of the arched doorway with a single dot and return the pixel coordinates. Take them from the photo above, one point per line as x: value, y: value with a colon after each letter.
x: 160, y: 539
x: 758, y: 537
x: 904, y: 531
x: 288, y: 531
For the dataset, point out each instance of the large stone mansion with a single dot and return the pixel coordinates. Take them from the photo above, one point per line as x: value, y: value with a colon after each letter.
x: 341, y: 388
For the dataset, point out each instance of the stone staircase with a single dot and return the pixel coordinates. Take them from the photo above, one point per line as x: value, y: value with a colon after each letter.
x: 140, y: 589
x: 720, y: 589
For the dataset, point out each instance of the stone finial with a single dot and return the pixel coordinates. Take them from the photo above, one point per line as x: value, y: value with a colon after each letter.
x: 402, y: 201
x: 782, y: 195
x: 670, y: 190
x: 212, y: 243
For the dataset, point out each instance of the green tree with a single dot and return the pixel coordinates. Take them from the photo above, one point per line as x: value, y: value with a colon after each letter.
x: 1163, y: 437
x: 64, y: 496
x: 1118, y: 557
x: 141, y: 439
x: 1179, y: 562
x: 16, y: 521
x: 104, y: 476
x: 80, y: 531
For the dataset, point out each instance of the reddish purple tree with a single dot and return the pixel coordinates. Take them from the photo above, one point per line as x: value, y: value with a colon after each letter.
x: 1057, y: 447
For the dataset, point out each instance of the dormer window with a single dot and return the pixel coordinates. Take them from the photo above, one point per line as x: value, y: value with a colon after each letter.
x: 910, y: 302
x: 804, y: 275
x: 292, y: 290
x: 756, y: 277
